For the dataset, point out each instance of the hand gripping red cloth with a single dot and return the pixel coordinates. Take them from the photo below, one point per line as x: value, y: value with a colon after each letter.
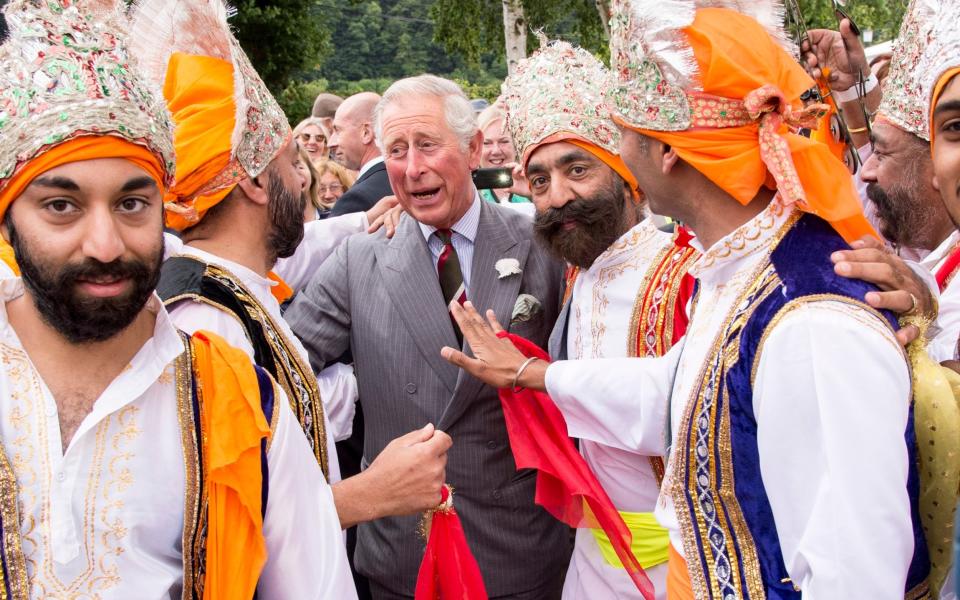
x: 566, y: 487
x: 448, y: 571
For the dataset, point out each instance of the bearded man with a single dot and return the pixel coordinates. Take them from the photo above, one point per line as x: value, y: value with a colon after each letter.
x: 238, y: 204
x: 590, y: 213
x: 900, y: 179
x: 137, y: 461
x: 779, y: 482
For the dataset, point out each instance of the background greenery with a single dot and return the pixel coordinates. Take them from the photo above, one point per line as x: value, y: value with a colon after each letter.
x: 304, y: 47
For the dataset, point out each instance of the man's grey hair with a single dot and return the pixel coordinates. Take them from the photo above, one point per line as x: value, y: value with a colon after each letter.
x: 459, y: 114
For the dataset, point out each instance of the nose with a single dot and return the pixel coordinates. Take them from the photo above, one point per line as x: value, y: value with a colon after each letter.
x: 868, y: 172
x: 103, y: 241
x: 558, y: 194
x: 415, y: 166
x: 334, y: 141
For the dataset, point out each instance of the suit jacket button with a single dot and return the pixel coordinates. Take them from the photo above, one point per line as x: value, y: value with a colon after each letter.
x: 492, y: 445
x: 411, y: 388
x: 497, y: 495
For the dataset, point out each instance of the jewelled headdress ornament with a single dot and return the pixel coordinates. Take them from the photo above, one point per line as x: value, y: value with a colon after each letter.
x: 910, y: 81
x: 161, y: 28
x: 65, y: 72
x: 560, y: 89
x: 657, y: 86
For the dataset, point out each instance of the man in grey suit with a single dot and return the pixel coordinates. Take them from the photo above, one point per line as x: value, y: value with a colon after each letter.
x: 387, y: 301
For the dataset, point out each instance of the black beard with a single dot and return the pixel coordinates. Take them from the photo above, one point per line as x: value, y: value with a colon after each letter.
x: 599, y: 224
x: 286, y: 219
x: 85, y: 319
x: 900, y: 217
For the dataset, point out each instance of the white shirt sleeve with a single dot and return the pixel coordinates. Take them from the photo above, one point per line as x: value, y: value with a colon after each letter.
x: 306, y: 556
x: 190, y: 317
x: 594, y: 396
x: 320, y: 239
x: 831, y: 399
x: 338, y: 388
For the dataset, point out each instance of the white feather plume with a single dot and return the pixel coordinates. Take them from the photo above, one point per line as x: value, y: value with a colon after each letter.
x: 161, y: 27
x: 659, y: 27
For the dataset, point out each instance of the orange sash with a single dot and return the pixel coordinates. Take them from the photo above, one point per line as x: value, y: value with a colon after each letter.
x: 236, y: 549
x: 679, y: 586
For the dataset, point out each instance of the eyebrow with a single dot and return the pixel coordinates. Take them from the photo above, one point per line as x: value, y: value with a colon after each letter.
x: 570, y: 157
x: 56, y: 181
x: 947, y: 106
x: 138, y: 183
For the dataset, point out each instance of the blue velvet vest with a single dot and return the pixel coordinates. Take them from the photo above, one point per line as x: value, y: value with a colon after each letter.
x: 718, y: 492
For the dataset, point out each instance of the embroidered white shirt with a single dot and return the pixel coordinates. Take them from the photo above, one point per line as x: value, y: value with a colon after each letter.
x: 602, y: 308
x: 105, y: 518
x: 831, y: 398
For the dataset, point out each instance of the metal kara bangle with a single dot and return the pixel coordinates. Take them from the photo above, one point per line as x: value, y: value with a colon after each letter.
x: 520, y: 371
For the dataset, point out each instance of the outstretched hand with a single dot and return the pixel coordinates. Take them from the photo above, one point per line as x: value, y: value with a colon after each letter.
x: 902, y: 290
x: 496, y: 360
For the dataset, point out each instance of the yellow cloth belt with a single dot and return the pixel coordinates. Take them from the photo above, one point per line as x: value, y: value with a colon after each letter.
x: 650, y: 541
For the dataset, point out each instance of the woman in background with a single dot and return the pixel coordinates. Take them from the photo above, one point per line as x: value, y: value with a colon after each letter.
x: 498, y: 152
x: 332, y: 181
x: 312, y: 136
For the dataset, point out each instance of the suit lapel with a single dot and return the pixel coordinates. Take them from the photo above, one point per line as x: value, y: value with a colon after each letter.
x: 411, y: 281
x: 495, y: 240
x: 557, y: 345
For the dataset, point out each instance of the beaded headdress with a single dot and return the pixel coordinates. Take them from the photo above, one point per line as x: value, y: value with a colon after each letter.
x: 656, y: 79
x: 657, y: 84
x: 161, y: 28
x: 65, y: 72
x: 905, y: 92
x: 560, y: 89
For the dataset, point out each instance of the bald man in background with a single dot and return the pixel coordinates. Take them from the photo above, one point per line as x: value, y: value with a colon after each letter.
x: 353, y: 146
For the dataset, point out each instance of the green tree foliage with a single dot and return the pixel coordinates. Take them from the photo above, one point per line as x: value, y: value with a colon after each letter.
x: 283, y: 38
x: 472, y: 28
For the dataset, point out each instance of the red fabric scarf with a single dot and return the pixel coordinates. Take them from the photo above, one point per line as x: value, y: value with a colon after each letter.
x: 448, y: 571
x: 566, y: 487
x: 945, y: 273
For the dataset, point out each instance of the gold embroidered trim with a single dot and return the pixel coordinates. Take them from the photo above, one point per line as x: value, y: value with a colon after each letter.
x: 13, y: 555
x: 762, y: 280
x: 191, y: 497
x: 297, y: 379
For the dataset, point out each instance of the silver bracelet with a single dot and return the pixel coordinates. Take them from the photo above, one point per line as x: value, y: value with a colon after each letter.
x: 520, y: 371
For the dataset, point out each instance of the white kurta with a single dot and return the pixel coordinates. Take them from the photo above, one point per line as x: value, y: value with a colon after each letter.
x: 601, y: 312
x: 338, y: 386
x: 831, y: 398
x: 943, y: 346
x: 105, y: 518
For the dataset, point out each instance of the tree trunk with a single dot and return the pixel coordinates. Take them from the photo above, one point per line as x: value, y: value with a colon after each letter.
x: 514, y: 32
x: 603, y: 7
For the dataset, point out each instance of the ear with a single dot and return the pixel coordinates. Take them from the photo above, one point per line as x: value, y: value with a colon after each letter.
x: 475, y: 149
x: 255, y: 188
x: 366, y: 134
x: 669, y: 158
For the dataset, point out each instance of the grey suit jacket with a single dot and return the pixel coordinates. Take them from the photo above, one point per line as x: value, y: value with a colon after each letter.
x: 381, y: 298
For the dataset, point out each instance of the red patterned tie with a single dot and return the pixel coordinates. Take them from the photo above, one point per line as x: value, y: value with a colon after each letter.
x: 451, y: 278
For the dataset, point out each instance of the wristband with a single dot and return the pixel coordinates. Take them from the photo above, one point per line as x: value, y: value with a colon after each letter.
x: 520, y: 371
x: 853, y: 93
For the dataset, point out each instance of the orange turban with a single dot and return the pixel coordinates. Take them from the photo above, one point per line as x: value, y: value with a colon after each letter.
x: 736, y: 58
x: 945, y: 79
x: 75, y: 150
x: 200, y: 95
x: 610, y: 159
